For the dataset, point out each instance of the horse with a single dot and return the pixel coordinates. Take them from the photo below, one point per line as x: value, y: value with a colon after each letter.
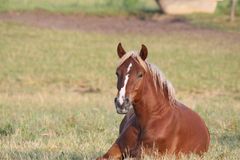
x: 155, y: 120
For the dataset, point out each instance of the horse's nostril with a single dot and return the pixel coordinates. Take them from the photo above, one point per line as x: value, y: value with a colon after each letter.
x: 127, y: 100
x: 115, y: 99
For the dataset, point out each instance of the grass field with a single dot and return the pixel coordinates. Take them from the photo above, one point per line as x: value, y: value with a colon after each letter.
x: 57, y: 89
x: 57, y: 86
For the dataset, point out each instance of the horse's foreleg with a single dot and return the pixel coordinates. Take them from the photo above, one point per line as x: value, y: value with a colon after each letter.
x: 136, y: 152
x: 127, y: 140
x: 113, y: 153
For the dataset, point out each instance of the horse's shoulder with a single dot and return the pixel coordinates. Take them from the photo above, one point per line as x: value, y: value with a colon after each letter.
x: 182, y: 108
x: 129, y: 119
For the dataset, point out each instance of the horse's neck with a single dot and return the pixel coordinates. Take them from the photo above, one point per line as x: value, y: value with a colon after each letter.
x: 151, y: 104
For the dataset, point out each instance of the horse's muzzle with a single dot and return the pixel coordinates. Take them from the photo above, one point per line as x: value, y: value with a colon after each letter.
x: 124, y: 107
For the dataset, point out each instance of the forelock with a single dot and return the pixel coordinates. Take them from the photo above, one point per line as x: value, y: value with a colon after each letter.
x: 133, y: 54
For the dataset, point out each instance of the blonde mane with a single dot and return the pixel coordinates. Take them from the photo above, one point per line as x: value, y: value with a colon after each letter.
x: 158, y: 77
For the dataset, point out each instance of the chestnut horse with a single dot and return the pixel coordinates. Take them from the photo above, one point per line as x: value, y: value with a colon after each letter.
x: 154, y: 119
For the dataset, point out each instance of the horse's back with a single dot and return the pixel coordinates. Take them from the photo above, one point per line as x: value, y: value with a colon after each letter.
x: 193, y: 132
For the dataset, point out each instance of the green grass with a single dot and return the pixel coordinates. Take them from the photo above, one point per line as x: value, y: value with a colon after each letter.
x: 85, y: 6
x: 43, y: 115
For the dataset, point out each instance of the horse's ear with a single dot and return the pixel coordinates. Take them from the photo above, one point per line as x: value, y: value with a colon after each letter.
x: 143, y: 52
x: 120, y: 50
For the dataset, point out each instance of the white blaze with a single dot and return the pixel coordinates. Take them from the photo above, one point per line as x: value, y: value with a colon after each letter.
x: 123, y: 89
x: 129, y: 67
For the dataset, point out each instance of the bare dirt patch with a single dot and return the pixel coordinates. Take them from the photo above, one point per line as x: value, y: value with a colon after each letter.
x: 156, y: 24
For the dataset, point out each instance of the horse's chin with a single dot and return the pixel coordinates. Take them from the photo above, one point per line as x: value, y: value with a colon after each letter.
x: 122, y: 112
x: 123, y: 109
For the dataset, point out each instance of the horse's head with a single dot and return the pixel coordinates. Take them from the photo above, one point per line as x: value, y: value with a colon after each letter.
x: 130, y: 77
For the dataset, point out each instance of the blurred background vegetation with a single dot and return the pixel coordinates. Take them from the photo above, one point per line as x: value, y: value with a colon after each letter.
x: 86, y: 6
x: 97, y: 6
x: 143, y: 8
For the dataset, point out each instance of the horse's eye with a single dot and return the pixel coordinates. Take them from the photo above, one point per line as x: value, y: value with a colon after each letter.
x: 117, y: 74
x: 140, y: 75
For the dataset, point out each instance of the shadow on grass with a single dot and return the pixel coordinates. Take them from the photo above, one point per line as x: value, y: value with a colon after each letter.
x: 145, y: 13
x: 151, y: 11
x: 232, y: 141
